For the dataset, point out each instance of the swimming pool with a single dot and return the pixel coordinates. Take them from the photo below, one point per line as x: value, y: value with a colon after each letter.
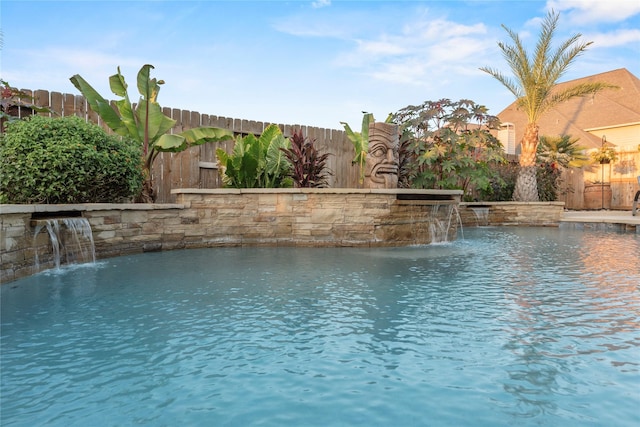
x: 508, y: 326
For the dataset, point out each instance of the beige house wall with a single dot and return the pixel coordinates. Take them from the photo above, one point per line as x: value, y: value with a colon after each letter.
x: 625, y: 137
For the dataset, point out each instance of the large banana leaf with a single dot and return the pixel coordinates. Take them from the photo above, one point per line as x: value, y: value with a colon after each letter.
x: 127, y: 117
x: 100, y: 105
x: 360, y: 141
x: 175, y: 143
x: 157, y: 123
x: 148, y: 87
x: 146, y: 123
x: 364, y: 136
x: 119, y: 87
x: 201, y: 135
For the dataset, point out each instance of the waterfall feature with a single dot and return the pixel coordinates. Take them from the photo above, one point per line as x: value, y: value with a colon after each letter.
x: 442, y: 221
x: 71, y: 240
x: 439, y: 227
x: 482, y: 215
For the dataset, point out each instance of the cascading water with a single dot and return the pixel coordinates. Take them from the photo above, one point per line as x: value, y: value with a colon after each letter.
x: 438, y: 228
x: 482, y: 214
x: 457, y: 212
x: 71, y: 240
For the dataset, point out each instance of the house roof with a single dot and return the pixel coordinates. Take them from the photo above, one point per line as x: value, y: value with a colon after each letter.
x: 607, y: 108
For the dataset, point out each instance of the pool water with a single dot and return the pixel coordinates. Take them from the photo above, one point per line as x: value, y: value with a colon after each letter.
x: 508, y: 326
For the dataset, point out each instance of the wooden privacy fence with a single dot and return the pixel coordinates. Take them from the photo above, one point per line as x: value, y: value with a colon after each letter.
x: 621, y: 175
x: 196, y: 167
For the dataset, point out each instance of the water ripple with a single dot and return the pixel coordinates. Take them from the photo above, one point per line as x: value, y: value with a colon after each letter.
x: 509, y: 326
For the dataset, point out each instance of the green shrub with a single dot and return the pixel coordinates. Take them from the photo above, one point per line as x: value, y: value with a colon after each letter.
x: 257, y: 162
x: 502, y: 184
x: 66, y: 160
x: 548, y: 176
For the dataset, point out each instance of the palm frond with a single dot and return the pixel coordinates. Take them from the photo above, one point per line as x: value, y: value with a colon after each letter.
x: 581, y: 89
x: 534, y: 78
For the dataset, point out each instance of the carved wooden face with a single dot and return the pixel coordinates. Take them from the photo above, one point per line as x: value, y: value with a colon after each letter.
x: 381, y: 166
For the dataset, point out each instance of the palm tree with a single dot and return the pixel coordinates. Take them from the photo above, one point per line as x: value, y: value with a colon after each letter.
x: 562, y: 151
x: 533, y: 86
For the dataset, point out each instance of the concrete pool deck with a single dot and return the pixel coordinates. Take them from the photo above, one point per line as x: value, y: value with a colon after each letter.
x: 601, y: 219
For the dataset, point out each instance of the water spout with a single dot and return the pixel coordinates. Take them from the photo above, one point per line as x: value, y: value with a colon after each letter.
x: 457, y: 212
x: 71, y: 240
x: 440, y: 228
x: 482, y: 215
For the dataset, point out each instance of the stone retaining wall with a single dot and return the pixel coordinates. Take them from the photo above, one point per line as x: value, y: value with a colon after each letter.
x: 511, y: 213
x: 226, y: 217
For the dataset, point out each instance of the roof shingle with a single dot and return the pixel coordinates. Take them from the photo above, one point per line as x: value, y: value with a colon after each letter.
x: 609, y: 107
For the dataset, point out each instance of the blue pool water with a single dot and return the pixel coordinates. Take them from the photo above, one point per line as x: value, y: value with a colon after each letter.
x: 508, y: 326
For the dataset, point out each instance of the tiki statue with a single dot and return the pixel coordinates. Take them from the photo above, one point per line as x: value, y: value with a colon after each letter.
x: 381, y: 165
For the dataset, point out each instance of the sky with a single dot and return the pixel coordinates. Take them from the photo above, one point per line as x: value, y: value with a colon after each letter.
x: 315, y: 63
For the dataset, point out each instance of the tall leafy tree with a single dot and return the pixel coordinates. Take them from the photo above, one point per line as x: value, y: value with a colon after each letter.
x: 533, y: 82
x: 448, y: 145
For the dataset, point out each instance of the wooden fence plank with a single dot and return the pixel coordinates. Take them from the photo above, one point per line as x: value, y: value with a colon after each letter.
x: 81, y: 107
x: 41, y: 98
x: 56, y: 104
x: 253, y: 127
x: 163, y: 183
x: 195, y: 119
x: 186, y: 119
x: 167, y: 111
x: 236, y: 126
x: 24, y: 112
x: 68, y: 105
x: 92, y: 116
x: 176, y: 114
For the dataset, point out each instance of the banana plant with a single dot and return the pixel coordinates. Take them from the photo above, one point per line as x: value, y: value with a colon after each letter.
x: 257, y: 162
x: 145, y: 122
x: 360, y: 141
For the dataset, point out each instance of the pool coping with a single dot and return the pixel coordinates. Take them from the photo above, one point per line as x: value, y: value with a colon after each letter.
x: 601, y: 216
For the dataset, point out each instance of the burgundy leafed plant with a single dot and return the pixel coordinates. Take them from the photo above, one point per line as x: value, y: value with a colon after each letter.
x: 309, y: 167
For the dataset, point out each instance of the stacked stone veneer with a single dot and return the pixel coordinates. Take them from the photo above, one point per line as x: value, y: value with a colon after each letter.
x: 511, y: 213
x: 225, y: 217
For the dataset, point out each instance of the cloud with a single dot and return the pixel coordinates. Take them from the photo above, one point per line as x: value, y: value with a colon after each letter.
x: 615, y: 38
x: 381, y: 48
x: 320, y: 3
x: 320, y: 24
x: 62, y: 63
x: 590, y: 11
x: 419, y: 51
